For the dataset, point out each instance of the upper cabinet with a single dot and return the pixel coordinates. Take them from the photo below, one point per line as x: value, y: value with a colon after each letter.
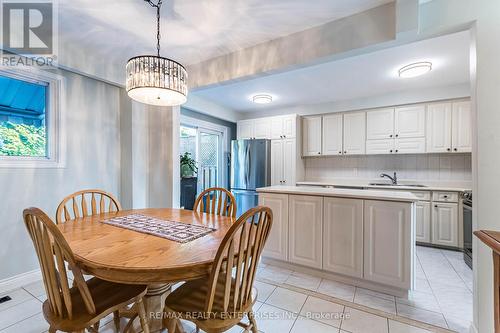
x: 279, y: 127
x: 262, y: 129
x: 409, y: 122
x: 449, y: 127
x: 246, y: 129
x: 332, y: 134
x: 311, y: 136
x: 354, y: 133
x: 380, y: 124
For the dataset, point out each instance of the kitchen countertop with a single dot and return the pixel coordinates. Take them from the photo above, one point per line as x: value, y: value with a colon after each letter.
x: 365, y: 184
x: 370, y: 194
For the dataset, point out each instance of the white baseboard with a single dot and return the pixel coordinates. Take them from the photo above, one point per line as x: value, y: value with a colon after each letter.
x: 20, y: 280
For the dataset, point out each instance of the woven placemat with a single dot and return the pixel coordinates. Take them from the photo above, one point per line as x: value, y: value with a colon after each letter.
x: 172, y: 230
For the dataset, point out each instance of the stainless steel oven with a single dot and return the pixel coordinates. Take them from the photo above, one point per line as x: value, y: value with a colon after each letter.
x: 467, y: 218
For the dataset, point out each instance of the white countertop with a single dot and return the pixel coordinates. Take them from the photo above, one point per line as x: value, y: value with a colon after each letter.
x: 370, y: 194
x: 365, y: 184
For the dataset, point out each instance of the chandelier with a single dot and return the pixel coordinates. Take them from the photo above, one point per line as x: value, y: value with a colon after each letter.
x: 155, y: 80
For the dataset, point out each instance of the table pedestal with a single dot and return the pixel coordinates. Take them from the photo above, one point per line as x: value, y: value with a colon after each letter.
x: 154, y: 302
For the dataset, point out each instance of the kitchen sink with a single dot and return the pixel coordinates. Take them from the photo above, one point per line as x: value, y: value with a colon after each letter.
x: 405, y: 185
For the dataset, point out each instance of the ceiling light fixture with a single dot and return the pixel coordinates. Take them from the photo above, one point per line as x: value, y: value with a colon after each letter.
x: 262, y: 99
x: 155, y: 80
x: 415, y: 69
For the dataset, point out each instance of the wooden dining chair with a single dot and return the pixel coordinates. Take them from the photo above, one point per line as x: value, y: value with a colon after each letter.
x: 80, y: 307
x: 220, y: 302
x: 217, y: 201
x: 86, y: 203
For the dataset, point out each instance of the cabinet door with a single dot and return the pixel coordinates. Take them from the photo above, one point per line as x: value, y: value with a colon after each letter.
x: 445, y: 224
x: 289, y: 161
x: 290, y: 126
x: 409, y: 122
x: 354, y: 133
x: 276, y: 127
x: 380, y: 124
x: 409, y: 145
x: 423, y: 222
x: 311, y: 136
x: 262, y: 129
x: 277, y: 162
x: 388, y: 243
x: 461, y: 121
x: 377, y: 147
x: 246, y: 129
x: 277, y: 242
x: 305, y: 238
x: 332, y: 135
x: 439, y: 128
x: 343, y: 236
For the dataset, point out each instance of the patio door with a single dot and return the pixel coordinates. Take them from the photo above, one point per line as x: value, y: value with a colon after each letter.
x: 209, y: 159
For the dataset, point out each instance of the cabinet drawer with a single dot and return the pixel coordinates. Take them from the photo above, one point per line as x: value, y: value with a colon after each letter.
x: 445, y: 196
x: 422, y: 195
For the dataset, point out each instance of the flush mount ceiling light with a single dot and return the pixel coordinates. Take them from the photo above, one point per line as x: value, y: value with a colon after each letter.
x: 154, y: 80
x: 262, y: 99
x: 415, y: 69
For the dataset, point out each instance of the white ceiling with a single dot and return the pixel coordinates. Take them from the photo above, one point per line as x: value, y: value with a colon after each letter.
x: 192, y: 30
x: 351, y: 78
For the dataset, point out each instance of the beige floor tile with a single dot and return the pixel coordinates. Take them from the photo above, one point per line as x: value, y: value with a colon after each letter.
x: 36, y: 288
x: 374, y: 293
x: 271, y: 319
x: 433, y: 318
x: 34, y: 324
x: 397, y: 327
x: 337, y: 289
x: 287, y: 299
x: 324, y: 311
x: 263, y: 290
x: 356, y: 321
x: 304, y: 281
x: 18, y: 296
x: 420, y: 300
x: 376, y: 303
x: 307, y: 325
x: 19, y: 312
x: 276, y: 274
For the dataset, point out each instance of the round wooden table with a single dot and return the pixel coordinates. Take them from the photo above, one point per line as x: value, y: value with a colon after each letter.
x: 126, y: 256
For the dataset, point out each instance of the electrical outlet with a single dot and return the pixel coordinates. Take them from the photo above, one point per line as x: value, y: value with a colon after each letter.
x: 5, y: 299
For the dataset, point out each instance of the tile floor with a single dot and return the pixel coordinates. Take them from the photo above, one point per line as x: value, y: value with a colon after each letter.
x: 294, y: 302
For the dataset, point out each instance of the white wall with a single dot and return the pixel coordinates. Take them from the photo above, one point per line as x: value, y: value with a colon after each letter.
x: 93, y: 161
x: 425, y: 168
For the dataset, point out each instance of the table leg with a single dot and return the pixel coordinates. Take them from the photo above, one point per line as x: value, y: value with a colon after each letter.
x: 154, y: 302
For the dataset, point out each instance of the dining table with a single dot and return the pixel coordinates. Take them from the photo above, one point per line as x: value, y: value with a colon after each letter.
x: 121, y: 255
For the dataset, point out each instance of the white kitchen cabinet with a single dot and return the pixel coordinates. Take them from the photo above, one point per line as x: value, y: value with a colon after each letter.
x: 311, y: 136
x: 343, y: 236
x: 461, y: 127
x: 423, y: 222
x: 283, y: 161
x: 246, y: 129
x: 388, y: 245
x: 409, y: 122
x: 262, y: 129
x: 445, y: 224
x: 332, y: 135
x: 409, y: 145
x: 380, y: 124
x: 283, y: 126
x: 277, y: 242
x: 305, y: 225
x: 439, y: 128
x: 276, y: 127
x: 355, y: 133
x: 376, y: 147
x: 277, y: 159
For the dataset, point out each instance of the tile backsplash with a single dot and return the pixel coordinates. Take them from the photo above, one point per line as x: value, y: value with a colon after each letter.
x: 428, y: 167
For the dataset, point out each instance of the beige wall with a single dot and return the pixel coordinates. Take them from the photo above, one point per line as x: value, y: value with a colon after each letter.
x: 92, y: 161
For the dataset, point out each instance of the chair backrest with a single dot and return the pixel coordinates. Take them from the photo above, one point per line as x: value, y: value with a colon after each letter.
x: 53, y: 251
x: 217, y: 201
x: 77, y: 205
x: 238, y: 257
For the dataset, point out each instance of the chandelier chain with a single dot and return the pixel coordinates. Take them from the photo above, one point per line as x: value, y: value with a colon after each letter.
x: 158, y: 35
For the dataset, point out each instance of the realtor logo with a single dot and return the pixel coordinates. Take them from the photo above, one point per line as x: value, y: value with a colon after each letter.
x: 29, y: 30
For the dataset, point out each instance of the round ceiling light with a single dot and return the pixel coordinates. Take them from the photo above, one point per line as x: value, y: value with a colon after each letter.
x: 262, y: 99
x: 415, y: 69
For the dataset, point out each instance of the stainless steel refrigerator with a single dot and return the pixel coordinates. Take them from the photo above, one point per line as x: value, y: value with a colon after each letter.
x: 250, y: 169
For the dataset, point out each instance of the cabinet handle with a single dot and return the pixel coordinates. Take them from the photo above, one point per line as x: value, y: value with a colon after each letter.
x: 435, y: 206
x: 397, y: 150
x: 397, y: 135
x: 390, y: 136
x: 390, y: 150
x: 340, y: 152
x: 345, y: 151
x: 449, y: 149
x: 319, y: 153
x: 455, y: 149
x: 445, y: 196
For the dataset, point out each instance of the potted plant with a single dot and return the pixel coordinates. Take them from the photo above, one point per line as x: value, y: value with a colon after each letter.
x: 188, y: 166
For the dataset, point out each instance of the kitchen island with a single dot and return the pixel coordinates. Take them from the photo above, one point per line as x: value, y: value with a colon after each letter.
x: 362, y: 237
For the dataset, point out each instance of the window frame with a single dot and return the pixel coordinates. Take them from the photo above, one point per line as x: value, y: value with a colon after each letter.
x: 54, y: 120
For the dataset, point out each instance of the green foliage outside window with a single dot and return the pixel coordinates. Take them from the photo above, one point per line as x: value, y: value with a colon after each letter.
x: 22, y: 140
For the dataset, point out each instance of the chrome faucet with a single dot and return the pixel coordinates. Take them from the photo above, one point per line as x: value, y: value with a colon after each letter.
x: 393, y: 179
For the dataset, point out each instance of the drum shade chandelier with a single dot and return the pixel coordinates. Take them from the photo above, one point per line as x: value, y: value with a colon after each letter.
x: 155, y: 80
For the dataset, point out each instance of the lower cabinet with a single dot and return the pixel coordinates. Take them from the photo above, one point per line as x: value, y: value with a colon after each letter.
x: 305, y: 230
x: 388, y: 243
x: 277, y: 242
x: 445, y: 224
x: 423, y: 222
x: 343, y: 236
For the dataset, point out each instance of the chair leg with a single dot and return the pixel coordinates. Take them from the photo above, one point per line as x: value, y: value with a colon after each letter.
x: 142, y: 316
x: 171, y: 325
x: 52, y: 330
x: 251, y: 317
x: 116, y: 320
x: 96, y: 326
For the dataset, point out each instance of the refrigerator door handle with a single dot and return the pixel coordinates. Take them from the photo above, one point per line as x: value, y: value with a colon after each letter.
x: 247, y: 160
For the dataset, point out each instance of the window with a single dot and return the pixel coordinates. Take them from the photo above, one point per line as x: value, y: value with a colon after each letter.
x: 30, y: 126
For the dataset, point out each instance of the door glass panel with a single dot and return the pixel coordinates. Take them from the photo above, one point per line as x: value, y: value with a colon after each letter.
x: 209, y: 159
